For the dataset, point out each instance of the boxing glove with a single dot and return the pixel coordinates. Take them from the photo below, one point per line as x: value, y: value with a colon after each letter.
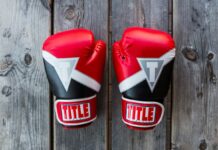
x: 143, y: 62
x: 74, y: 64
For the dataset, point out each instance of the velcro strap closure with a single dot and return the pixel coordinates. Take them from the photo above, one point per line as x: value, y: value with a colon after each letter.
x: 76, y: 112
x: 141, y: 114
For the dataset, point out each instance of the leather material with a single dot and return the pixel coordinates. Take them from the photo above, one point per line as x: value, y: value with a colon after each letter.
x: 139, y: 42
x: 76, y: 112
x: 143, y: 62
x: 74, y: 64
x: 159, y: 92
x: 79, y: 43
x: 76, y: 89
x: 141, y: 114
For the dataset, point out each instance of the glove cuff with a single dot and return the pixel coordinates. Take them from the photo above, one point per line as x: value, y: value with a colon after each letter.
x: 141, y: 114
x: 75, y: 112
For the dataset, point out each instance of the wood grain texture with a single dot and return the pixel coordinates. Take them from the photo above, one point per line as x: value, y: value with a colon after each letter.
x: 195, y: 107
x: 92, y: 15
x: 24, y: 99
x: 146, y: 13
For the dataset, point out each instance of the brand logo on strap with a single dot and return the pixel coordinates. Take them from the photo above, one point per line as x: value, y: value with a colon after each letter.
x: 74, y: 112
x: 152, y: 69
x: 140, y: 114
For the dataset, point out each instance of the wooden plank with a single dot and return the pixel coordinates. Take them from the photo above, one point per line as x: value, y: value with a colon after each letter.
x: 195, y: 107
x: 24, y: 92
x: 146, y: 13
x: 91, y: 15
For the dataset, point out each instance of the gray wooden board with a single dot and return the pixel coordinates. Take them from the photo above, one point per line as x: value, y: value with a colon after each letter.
x: 147, y: 13
x: 195, y: 107
x: 92, y: 15
x: 24, y: 99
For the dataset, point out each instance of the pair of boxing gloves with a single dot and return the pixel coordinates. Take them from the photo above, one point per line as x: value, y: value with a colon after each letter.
x: 143, y: 62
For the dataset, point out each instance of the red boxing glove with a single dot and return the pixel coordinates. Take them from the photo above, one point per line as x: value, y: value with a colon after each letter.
x: 143, y: 62
x: 74, y: 63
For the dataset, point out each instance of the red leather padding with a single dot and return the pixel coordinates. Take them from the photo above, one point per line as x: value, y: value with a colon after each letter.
x: 138, y: 42
x: 76, y: 112
x: 141, y: 114
x: 79, y: 43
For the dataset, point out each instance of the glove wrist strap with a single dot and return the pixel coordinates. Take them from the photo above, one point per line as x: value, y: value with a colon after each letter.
x: 141, y: 114
x: 75, y: 112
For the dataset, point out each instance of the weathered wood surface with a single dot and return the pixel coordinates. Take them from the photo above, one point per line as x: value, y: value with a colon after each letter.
x: 24, y: 98
x: 91, y: 15
x: 25, y: 105
x: 195, y: 103
x: 146, y: 13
